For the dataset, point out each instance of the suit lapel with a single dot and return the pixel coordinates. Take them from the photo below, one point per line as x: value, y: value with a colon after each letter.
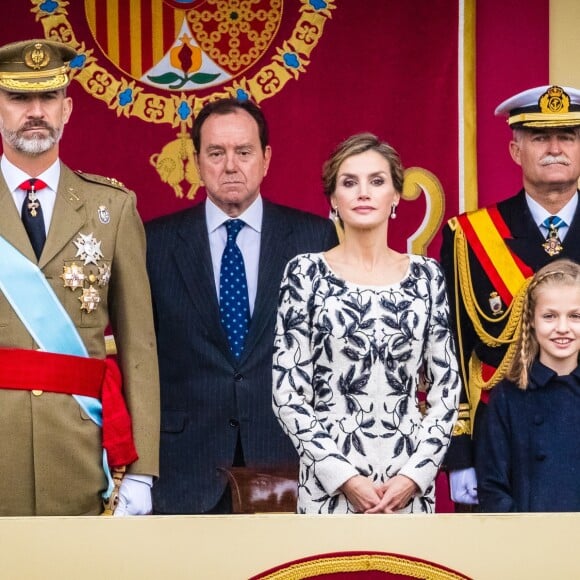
x: 11, y: 227
x: 193, y: 261
x: 571, y: 242
x: 274, y: 253
x: 526, y: 239
x: 67, y: 218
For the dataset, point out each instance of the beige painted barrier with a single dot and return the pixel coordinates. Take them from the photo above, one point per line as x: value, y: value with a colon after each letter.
x: 237, y: 547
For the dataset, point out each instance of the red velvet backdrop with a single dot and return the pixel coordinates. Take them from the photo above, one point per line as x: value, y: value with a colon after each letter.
x: 385, y: 66
x: 513, y: 50
x: 380, y: 65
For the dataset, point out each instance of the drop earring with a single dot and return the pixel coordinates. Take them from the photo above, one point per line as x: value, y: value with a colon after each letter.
x: 393, y: 211
x: 334, y: 213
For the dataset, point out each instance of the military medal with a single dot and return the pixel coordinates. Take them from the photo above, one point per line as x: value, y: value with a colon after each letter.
x: 104, y: 275
x: 33, y: 204
x: 552, y: 245
x: 73, y: 276
x: 104, y: 215
x: 90, y: 278
x: 88, y: 249
x: 495, y: 303
x: 90, y: 299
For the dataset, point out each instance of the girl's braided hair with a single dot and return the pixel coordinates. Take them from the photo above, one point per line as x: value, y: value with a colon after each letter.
x: 562, y: 272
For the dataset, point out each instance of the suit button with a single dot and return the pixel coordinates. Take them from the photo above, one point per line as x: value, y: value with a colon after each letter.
x: 540, y: 456
x: 238, y: 377
x: 538, y: 420
x: 234, y: 423
x: 37, y: 392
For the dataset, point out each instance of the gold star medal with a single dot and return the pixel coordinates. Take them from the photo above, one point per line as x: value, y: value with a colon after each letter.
x: 73, y: 276
x: 90, y: 299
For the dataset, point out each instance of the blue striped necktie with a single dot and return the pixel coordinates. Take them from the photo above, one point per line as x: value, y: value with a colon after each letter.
x: 234, y: 302
x: 553, y: 244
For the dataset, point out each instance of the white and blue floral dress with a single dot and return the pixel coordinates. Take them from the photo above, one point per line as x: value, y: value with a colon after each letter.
x: 348, y: 363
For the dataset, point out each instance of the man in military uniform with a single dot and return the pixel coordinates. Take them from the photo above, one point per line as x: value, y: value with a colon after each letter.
x: 72, y: 262
x: 488, y: 255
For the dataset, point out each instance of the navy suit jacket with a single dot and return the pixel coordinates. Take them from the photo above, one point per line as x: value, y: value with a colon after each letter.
x: 207, y: 397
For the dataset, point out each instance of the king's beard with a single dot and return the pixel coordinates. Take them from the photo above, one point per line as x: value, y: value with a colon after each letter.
x: 35, y: 144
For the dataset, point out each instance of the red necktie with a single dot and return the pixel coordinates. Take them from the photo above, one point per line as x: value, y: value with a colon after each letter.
x: 32, y: 214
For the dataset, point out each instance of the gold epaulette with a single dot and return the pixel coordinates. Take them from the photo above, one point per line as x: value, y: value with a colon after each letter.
x: 463, y: 423
x: 101, y: 180
x: 453, y: 223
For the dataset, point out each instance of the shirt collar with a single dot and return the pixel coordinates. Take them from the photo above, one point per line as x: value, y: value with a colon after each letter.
x: 539, y: 214
x: 252, y: 217
x: 14, y: 176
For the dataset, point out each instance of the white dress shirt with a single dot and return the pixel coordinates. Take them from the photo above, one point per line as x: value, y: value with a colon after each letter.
x: 248, y: 241
x: 539, y: 214
x: 47, y: 196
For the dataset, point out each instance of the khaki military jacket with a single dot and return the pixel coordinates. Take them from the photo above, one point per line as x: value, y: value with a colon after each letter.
x: 50, y: 451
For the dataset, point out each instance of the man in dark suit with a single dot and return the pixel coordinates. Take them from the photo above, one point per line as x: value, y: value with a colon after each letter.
x: 216, y: 385
x: 488, y: 254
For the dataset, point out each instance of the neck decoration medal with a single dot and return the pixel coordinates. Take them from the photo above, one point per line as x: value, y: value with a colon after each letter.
x: 552, y: 245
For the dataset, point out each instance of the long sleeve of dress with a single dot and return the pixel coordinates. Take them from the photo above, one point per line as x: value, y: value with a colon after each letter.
x: 441, y: 376
x: 294, y: 382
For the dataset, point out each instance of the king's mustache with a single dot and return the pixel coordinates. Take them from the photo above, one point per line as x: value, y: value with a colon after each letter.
x: 35, y: 124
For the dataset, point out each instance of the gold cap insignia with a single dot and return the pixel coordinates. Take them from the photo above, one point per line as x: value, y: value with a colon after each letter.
x: 554, y: 100
x: 36, y: 57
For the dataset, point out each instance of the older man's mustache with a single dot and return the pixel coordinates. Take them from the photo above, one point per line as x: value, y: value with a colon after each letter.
x: 553, y: 159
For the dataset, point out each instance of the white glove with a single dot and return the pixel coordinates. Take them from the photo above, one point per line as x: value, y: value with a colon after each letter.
x: 463, y: 483
x: 135, y: 496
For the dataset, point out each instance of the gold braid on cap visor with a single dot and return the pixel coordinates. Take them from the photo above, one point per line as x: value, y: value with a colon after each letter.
x: 30, y: 80
x: 546, y: 119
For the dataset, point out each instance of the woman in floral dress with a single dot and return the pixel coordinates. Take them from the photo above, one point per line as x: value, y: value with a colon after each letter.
x: 359, y: 329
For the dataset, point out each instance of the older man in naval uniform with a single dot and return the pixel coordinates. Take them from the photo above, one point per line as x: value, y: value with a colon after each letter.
x: 488, y: 254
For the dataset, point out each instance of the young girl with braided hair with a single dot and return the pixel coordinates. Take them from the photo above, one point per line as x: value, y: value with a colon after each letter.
x: 529, y: 459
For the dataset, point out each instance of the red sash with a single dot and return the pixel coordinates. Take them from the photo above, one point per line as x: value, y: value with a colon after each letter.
x: 73, y: 375
x: 486, y: 232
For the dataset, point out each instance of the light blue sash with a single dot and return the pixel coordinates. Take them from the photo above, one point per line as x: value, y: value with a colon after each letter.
x: 43, y: 315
